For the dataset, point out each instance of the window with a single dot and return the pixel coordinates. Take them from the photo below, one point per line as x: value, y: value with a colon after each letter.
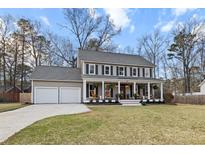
x: 91, y: 69
x: 107, y: 70
x: 92, y: 90
x: 146, y: 72
x: 108, y: 88
x: 121, y: 71
x: 134, y: 71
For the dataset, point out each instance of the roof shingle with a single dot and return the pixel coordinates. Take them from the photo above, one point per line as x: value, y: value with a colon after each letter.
x: 113, y: 58
x: 53, y: 73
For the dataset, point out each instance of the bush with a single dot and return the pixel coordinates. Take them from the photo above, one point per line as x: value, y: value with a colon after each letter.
x: 143, y: 103
x: 168, y: 98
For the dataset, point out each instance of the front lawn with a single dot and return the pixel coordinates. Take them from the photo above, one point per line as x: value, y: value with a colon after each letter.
x: 10, y: 106
x: 154, y: 124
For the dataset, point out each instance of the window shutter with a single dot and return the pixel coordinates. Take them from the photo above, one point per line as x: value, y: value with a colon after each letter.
x: 111, y: 92
x: 102, y: 69
x: 96, y: 69
x: 87, y: 68
x: 138, y: 72
x: 130, y: 71
x: 131, y: 93
x: 143, y: 72
x: 97, y: 91
x: 150, y: 73
x: 87, y: 90
x: 125, y: 71
x: 111, y: 70
x: 117, y: 70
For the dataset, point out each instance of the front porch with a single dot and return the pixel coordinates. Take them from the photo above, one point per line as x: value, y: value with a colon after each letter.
x: 122, y: 91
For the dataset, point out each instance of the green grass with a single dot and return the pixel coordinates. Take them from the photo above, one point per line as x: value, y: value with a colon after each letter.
x: 10, y: 106
x: 154, y: 124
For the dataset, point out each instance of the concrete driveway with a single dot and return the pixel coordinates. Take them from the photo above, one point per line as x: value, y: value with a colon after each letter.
x: 13, y: 121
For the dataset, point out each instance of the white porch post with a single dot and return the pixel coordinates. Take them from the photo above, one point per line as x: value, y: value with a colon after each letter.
x: 118, y: 87
x: 134, y: 88
x: 103, y: 89
x: 161, y: 89
x: 148, y: 90
x: 84, y: 90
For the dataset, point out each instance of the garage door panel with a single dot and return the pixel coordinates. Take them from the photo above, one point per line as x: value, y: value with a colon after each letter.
x: 46, y: 95
x: 70, y: 95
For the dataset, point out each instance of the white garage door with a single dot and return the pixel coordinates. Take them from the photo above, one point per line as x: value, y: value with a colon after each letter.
x: 70, y: 95
x: 46, y: 95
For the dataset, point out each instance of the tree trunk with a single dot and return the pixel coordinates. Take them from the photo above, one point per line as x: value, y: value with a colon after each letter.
x: 4, y: 64
x: 22, y: 63
x: 15, y: 64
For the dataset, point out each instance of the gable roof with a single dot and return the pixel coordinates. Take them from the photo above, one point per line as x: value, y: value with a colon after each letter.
x: 113, y: 58
x: 8, y: 88
x: 55, y: 73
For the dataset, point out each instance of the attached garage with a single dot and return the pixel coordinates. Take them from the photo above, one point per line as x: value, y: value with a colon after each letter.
x: 56, y: 85
x: 70, y: 95
x: 46, y: 95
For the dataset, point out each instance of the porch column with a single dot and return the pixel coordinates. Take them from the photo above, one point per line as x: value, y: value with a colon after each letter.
x: 148, y: 88
x: 118, y: 87
x: 134, y: 88
x: 84, y: 90
x: 103, y: 89
x: 161, y: 89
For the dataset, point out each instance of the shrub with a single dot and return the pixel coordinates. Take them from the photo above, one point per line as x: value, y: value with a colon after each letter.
x: 168, y: 98
x: 143, y: 103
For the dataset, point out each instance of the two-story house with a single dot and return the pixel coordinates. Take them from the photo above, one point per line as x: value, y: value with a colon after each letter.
x: 99, y: 75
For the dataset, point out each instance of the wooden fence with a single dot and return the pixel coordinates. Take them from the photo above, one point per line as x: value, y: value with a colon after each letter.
x: 193, y: 99
x: 9, y: 97
x: 25, y: 97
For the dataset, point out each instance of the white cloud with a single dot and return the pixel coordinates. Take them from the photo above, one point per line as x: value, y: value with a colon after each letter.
x: 181, y: 11
x: 119, y: 16
x: 168, y: 26
x: 132, y: 28
x: 45, y: 20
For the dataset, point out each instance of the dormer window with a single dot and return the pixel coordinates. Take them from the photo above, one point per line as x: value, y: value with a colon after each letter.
x: 121, y: 71
x: 134, y: 71
x: 107, y: 70
x: 92, y: 69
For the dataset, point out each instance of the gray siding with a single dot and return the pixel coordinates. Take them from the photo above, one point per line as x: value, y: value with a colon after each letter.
x: 128, y: 71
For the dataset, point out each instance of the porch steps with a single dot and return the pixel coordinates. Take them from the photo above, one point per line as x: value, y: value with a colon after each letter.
x: 130, y: 102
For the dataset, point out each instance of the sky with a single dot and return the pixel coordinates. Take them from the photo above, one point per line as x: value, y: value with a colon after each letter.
x: 134, y: 22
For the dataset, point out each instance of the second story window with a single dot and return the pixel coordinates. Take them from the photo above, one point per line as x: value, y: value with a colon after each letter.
x: 121, y: 71
x: 91, y: 69
x: 134, y: 71
x: 107, y: 70
x: 147, y: 72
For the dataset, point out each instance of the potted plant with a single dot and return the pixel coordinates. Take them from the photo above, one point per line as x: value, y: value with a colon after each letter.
x: 136, y: 96
x: 118, y: 96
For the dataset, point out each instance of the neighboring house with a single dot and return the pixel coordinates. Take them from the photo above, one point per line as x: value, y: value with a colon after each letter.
x: 99, y: 75
x: 10, y: 89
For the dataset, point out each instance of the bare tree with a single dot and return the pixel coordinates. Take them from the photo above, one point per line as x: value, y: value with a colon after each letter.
x: 6, y: 25
x: 63, y: 49
x: 184, y: 48
x: 90, y: 29
x: 153, y: 46
x: 82, y: 23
